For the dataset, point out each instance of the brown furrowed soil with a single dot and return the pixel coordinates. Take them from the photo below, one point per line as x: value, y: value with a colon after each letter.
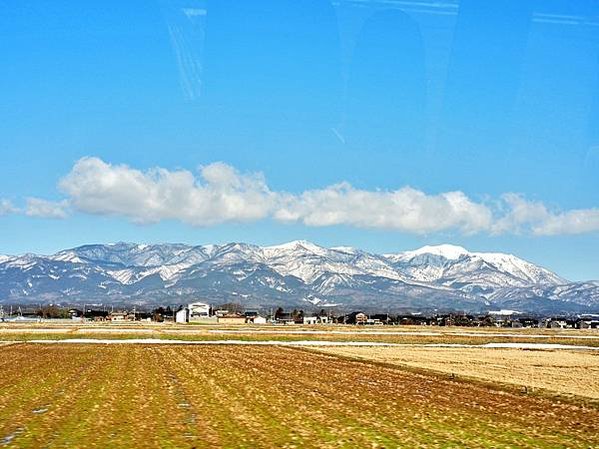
x: 563, y: 372
x: 241, y: 396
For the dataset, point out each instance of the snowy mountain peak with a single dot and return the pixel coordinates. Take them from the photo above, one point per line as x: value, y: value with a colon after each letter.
x: 450, y: 252
x: 482, y: 273
x: 297, y: 245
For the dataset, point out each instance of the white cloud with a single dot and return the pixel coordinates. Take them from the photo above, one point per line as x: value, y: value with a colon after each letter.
x: 577, y: 221
x: 219, y: 193
x: 517, y: 214
x: 37, y: 207
x: 6, y: 207
x: 524, y: 216
x: 406, y: 209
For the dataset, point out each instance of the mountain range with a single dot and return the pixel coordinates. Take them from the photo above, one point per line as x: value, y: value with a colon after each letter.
x: 297, y: 274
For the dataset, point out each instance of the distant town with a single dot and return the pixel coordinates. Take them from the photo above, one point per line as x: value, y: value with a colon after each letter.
x: 235, y: 314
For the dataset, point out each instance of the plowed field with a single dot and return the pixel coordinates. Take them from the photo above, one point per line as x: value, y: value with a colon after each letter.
x: 239, y: 396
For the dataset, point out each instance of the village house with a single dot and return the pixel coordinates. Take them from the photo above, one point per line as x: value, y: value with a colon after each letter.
x: 381, y: 318
x: 361, y: 318
x: 284, y: 318
x: 258, y: 319
x: 353, y: 318
x: 119, y: 317
x: 195, y: 312
x: 232, y: 318
x: 96, y: 315
x: 324, y: 319
x: 75, y: 314
x: 253, y: 317
x: 374, y: 322
x: 144, y: 316
x: 556, y: 324
x: 526, y: 322
x: 587, y: 323
x: 560, y: 323
x: 310, y: 320
x: 198, y: 311
x: 182, y: 315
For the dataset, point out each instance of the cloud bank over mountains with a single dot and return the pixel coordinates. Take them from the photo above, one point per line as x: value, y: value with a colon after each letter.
x: 219, y: 193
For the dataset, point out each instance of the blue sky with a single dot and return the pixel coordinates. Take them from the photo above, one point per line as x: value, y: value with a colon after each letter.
x: 212, y: 121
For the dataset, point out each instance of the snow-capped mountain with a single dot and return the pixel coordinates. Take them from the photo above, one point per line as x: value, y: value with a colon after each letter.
x: 308, y: 261
x: 479, y: 273
x: 299, y: 274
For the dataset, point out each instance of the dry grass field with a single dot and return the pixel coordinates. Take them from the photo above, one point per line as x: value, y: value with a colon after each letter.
x: 108, y: 396
x: 563, y: 372
x: 386, y: 334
